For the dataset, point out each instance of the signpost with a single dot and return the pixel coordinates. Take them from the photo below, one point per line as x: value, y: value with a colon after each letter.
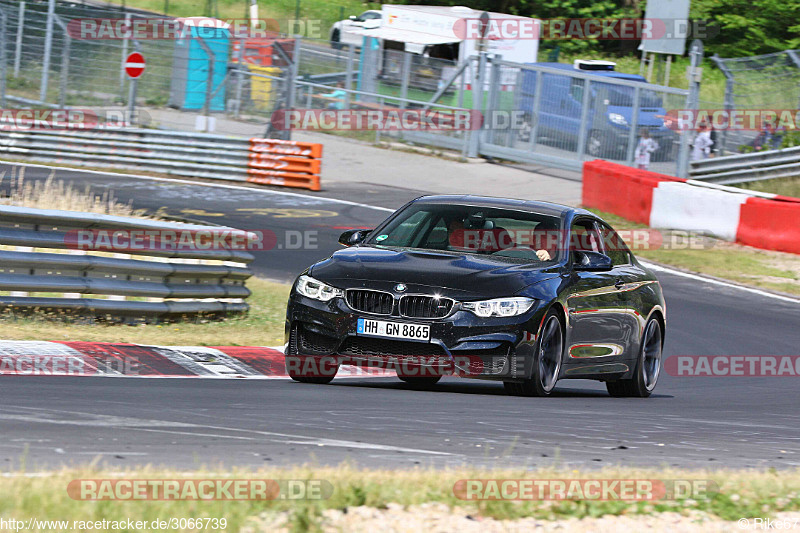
x: 134, y: 67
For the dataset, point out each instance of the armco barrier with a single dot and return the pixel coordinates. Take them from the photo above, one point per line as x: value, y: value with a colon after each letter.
x: 201, y: 155
x: 760, y: 220
x: 741, y: 168
x: 43, y: 253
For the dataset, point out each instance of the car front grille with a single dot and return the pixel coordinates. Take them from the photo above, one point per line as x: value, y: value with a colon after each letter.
x: 366, y: 301
x: 414, y: 306
x: 370, y: 346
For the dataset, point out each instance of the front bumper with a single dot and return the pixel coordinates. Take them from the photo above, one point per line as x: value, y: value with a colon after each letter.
x: 461, y: 343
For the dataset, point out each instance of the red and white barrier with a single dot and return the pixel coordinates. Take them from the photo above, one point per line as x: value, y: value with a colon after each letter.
x: 766, y: 221
x: 40, y: 358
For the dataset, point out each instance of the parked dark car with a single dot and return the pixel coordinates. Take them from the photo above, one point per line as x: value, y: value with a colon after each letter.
x: 522, y: 292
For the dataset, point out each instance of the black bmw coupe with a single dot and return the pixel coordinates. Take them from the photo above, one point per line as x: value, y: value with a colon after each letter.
x: 523, y: 292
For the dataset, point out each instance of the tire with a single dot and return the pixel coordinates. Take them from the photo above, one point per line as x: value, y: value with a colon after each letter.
x: 314, y: 380
x: 336, y: 39
x: 648, y: 366
x: 419, y: 381
x: 291, y: 369
x: 597, y: 144
x: 547, y: 361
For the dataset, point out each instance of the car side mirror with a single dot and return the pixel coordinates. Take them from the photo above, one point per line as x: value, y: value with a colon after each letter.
x: 353, y: 17
x: 592, y: 262
x: 352, y: 237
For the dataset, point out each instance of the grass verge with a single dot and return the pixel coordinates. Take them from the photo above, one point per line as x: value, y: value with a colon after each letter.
x: 783, y: 186
x: 733, y: 494
x: 760, y: 268
x: 262, y: 326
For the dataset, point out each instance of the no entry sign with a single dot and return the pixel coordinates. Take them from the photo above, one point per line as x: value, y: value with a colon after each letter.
x: 134, y: 65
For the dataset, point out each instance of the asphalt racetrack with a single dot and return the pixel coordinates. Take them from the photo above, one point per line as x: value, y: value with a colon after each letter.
x: 381, y: 422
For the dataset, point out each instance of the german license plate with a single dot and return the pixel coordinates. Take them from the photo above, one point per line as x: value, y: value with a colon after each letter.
x: 393, y: 330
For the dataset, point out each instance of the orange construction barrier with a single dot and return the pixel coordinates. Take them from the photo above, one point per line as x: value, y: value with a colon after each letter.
x: 285, y: 163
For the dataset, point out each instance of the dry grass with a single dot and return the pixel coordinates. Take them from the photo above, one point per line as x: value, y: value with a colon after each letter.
x: 56, y: 194
x: 733, y: 494
x: 261, y: 326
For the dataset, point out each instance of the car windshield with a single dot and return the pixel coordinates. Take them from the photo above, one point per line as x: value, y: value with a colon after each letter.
x: 622, y: 96
x: 506, y: 233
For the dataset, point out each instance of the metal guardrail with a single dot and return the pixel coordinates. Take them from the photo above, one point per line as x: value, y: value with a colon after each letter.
x: 185, y: 281
x: 199, y: 155
x: 741, y: 168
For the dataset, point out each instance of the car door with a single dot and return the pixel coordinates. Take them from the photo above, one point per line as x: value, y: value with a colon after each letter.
x: 636, y: 287
x: 630, y: 277
x: 596, y: 307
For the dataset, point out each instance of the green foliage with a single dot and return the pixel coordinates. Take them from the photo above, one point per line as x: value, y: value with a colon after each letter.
x: 750, y: 27
x: 741, y: 27
x: 791, y: 139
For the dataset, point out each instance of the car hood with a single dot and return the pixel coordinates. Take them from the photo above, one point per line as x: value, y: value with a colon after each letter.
x: 457, y: 275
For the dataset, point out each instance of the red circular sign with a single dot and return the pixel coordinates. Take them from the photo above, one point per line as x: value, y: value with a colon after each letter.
x: 134, y: 65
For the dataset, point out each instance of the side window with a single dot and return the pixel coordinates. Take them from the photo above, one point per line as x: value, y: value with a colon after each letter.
x: 576, y: 90
x: 409, y: 231
x: 583, y: 237
x: 615, y: 247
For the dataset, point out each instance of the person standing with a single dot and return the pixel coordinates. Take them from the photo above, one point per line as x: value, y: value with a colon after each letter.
x: 339, y: 93
x: 701, y: 147
x: 646, y: 146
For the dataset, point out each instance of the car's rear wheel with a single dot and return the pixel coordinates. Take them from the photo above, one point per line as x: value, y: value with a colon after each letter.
x: 322, y: 371
x: 648, y: 366
x: 547, y: 361
x: 420, y: 381
x: 336, y: 40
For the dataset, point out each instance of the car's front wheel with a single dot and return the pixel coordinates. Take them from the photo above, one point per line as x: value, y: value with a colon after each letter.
x: 547, y: 361
x: 648, y: 366
x: 316, y: 370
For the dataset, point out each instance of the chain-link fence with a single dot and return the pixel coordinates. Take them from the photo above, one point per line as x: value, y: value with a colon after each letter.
x: 765, y: 82
x: 547, y: 114
x: 561, y: 116
x: 51, y: 66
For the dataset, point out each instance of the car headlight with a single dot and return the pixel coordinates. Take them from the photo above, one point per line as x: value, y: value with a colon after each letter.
x: 499, y: 306
x: 618, y: 119
x: 308, y: 286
